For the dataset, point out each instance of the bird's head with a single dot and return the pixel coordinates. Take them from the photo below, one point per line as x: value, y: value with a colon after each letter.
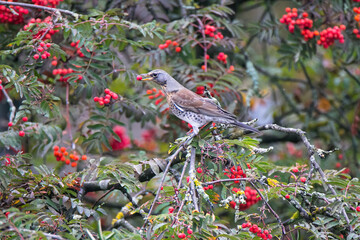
x: 159, y: 76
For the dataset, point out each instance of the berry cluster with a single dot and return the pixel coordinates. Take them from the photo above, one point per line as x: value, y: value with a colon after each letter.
x: 169, y: 43
x: 251, y: 198
x: 44, y: 30
x: 329, y: 35
x: 7, y: 16
x: 125, y: 140
x: 107, y: 99
x: 292, y: 19
x: 78, y: 51
x: 209, y: 187
x: 42, y: 51
x: 154, y: 93
x: 222, y: 57
x: 235, y: 173
x: 62, y: 155
x: 211, y: 31
x: 62, y: 72
x: 47, y: 3
x: 183, y: 235
x: 264, y: 234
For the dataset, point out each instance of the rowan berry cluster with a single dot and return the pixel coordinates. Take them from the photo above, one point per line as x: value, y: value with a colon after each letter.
x: 251, y: 198
x: 47, y: 3
x: 7, y: 15
x: 107, y: 98
x: 170, y: 43
x: 78, y: 48
x: 235, y: 173
x: 48, y: 29
x: 262, y: 233
x: 292, y: 19
x: 211, y: 31
x: 327, y: 36
x: 156, y: 94
x: 222, y: 57
x: 42, y: 51
x: 63, y: 155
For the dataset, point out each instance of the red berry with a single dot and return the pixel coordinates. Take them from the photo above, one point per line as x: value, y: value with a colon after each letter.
x: 74, y: 164
x: 181, y: 235
x: 139, y: 77
x: 295, y: 170
x: 174, y: 43
x: 106, y: 101
x: 44, y: 56
x: 25, y: 119
x: 42, y: 44
x: 56, y: 148
x: 40, y: 49
x: 48, y: 45
x: 358, y: 208
x: 211, y: 186
x: 54, y: 63
x: 178, y: 49
x: 67, y: 162
x: 199, y: 170
x: 96, y: 99
x: 303, y: 179
x: 36, y: 56
x: 171, y: 209
x: 189, y: 231
x: 10, y: 124
x: 63, y: 149
x: 107, y: 91
x: 21, y: 133
x: 84, y: 157
x: 287, y: 196
x: 207, y: 57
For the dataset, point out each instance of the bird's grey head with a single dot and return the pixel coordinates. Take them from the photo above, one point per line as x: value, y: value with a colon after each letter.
x: 159, y: 76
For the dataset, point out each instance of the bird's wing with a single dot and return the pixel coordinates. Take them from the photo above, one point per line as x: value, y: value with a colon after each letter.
x: 190, y: 101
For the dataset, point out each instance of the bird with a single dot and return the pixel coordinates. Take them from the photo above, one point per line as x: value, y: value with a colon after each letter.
x: 189, y: 106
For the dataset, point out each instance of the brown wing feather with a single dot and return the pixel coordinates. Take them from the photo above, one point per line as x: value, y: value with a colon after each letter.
x: 190, y: 101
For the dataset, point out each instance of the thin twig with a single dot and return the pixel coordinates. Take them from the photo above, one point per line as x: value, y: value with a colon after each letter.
x: 27, y: 5
x: 192, y: 177
x: 170, y: 159
x: 11, y: 104
x: 269, y: 207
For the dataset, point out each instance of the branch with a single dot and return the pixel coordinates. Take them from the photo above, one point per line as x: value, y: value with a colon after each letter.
x: 103, y: 185
x: 27, y: 5
x: 311, y: 152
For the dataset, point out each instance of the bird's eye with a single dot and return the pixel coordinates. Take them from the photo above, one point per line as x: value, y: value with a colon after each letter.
x: 154, y: 74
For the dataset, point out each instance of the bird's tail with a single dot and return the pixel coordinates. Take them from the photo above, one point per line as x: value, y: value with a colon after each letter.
x: 243, y: 125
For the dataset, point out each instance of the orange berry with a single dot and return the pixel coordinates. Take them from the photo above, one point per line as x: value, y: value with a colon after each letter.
x: 174, y: 43
x: 203, y: 67
x: 66, y: 153
x: 342, y: 27
x: 74, y: 164
x: 84, y: 157
x: 56, y: 148
x: 357, y: 18
x: 149, y: 92
x: 178, y: 49
x: 63, y: 149
x: 71, y: 156
x: 316, y: 33
x: 67, y: 162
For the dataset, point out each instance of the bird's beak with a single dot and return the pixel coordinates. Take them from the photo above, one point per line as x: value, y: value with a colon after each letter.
x: 146, y: 77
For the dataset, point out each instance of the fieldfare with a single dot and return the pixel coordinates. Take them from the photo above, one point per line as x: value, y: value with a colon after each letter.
x: 189, y: 106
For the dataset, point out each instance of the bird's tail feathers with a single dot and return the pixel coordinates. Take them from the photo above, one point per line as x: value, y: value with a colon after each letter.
x: 247, y: 127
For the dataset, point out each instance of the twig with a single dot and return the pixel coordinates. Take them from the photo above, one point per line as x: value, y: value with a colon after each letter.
x: 269, y: 207
x: 11, y: 104
x: 170, y: 159
x: 39, y: 7
x: 192, y: 177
